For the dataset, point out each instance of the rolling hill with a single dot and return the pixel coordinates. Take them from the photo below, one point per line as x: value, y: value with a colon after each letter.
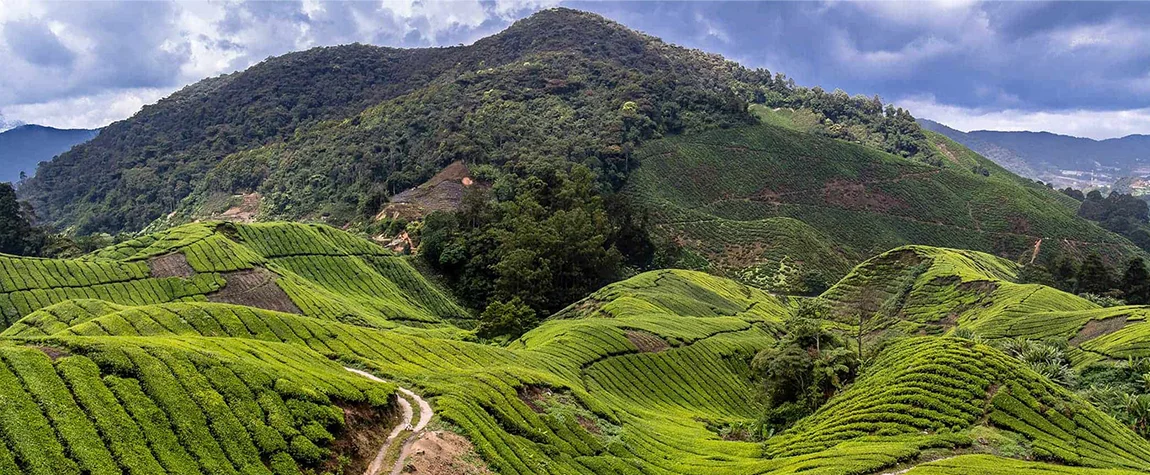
x: 159, y: 355
x: 740, y: 201
x: 25, y: 146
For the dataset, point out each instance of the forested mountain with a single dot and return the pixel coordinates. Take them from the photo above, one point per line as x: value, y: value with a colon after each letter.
x: 1009, y: 159
x: 25, y: 146
x: 382, y: 120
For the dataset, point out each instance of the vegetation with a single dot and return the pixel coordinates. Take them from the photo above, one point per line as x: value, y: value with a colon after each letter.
x: 126, y: 361
x: 765, y: 204
x: 805, y: 368
x: 1120, y: 213
x: 223, y: 348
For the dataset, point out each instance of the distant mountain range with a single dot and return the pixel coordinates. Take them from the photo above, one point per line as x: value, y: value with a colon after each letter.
x: 1063, y: 159
x: 25, y: 146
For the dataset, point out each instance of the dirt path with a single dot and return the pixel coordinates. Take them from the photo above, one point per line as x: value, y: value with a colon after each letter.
x: 425, y: 414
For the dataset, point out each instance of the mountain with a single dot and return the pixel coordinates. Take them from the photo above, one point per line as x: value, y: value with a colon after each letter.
x: 1007, y: 158
x: 763, y: 202
x: 330, y: 133
x: 563, y: 60
x: 282, y: 348
x: 24, y: 146
x: 1062, y: 159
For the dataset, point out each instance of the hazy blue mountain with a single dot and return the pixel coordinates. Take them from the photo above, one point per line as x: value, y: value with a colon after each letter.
x: 23, y: 147
x: 1062, y: 159
x: 1007, y: 158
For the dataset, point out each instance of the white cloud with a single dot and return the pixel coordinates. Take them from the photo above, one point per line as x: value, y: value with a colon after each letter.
x: 711, y: 29
x: 89, y: 111
x: 1094, y: 124
x: 1115, y: 37
x: 130, y: 53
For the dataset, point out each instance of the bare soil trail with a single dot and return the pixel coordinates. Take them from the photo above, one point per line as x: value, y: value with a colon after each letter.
x: 405, y: 424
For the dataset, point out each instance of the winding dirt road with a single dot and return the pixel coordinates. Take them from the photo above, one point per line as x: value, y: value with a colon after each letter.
x: 425, y: 414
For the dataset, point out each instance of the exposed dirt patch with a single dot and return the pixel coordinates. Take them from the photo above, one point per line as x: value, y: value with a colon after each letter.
x: 947, y: 153
x: 443, y: 192
x: 171, y: 265
x: 53, y: 352
x: 539, y: 398
x: 398, y: 244
x: 766, y: 195
x: 857, y: 196
x: 246, y: 210
x: 534, y: 396
x: 646, y: 342
x: 982, y: 287
x: 443, y: 453
x: 365, y: 430
x: 1019, y: 225
x: 254, y: 288
x: 1096, y: 328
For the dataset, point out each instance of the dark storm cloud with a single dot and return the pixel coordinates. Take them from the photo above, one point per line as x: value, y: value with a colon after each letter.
x: 35, y: 43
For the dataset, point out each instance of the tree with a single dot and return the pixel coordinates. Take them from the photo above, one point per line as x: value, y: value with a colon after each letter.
x: 512, y: 318
x: 17, y: 235
x: 1136, y: 283
x: 805, y: 367
x: 1093, y: 276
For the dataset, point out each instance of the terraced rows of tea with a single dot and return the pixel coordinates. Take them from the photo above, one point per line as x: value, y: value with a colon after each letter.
x: 194, y: 378
x: 740, y: 199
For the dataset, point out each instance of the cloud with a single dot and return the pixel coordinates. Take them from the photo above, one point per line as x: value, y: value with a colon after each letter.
x: 1017, y: 58
x: 89, y: 111
x: 113, y: 54
x: 37, y: 44
x: 1095, y: 124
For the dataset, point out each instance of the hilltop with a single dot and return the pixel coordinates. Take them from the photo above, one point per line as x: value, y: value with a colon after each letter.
x: 332, y: 133
x: 159, y: 355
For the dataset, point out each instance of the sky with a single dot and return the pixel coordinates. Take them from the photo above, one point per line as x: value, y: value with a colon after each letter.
x: 1073, y: 68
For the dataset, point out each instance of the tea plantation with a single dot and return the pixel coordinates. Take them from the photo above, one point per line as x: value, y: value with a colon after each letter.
x: 221, y: 349
x: 739, y: 201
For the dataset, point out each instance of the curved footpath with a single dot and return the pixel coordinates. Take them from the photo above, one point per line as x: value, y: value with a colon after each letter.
x: 425, y: 414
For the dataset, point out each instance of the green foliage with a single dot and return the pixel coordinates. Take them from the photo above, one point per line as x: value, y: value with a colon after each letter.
x: 513, y: 319
x: 549, y: 245
x: 805, y: 367
x: 644, y: 375
x: 752, y: 200
x: 17, y: 234
x: 1121, y: 213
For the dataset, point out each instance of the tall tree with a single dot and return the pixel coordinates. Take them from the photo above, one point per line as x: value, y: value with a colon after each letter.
x: 1093, y: 276
x: 15, y: 227
x: 1136, y: 282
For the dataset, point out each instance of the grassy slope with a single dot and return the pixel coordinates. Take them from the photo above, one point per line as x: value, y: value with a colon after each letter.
x: 933, y: 290
x: 744, y: 198
x: 191, y: 386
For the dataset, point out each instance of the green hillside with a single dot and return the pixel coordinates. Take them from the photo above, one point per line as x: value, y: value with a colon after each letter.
x: 935, y: 290
x: 131, y: 360
x: 738, y: 201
